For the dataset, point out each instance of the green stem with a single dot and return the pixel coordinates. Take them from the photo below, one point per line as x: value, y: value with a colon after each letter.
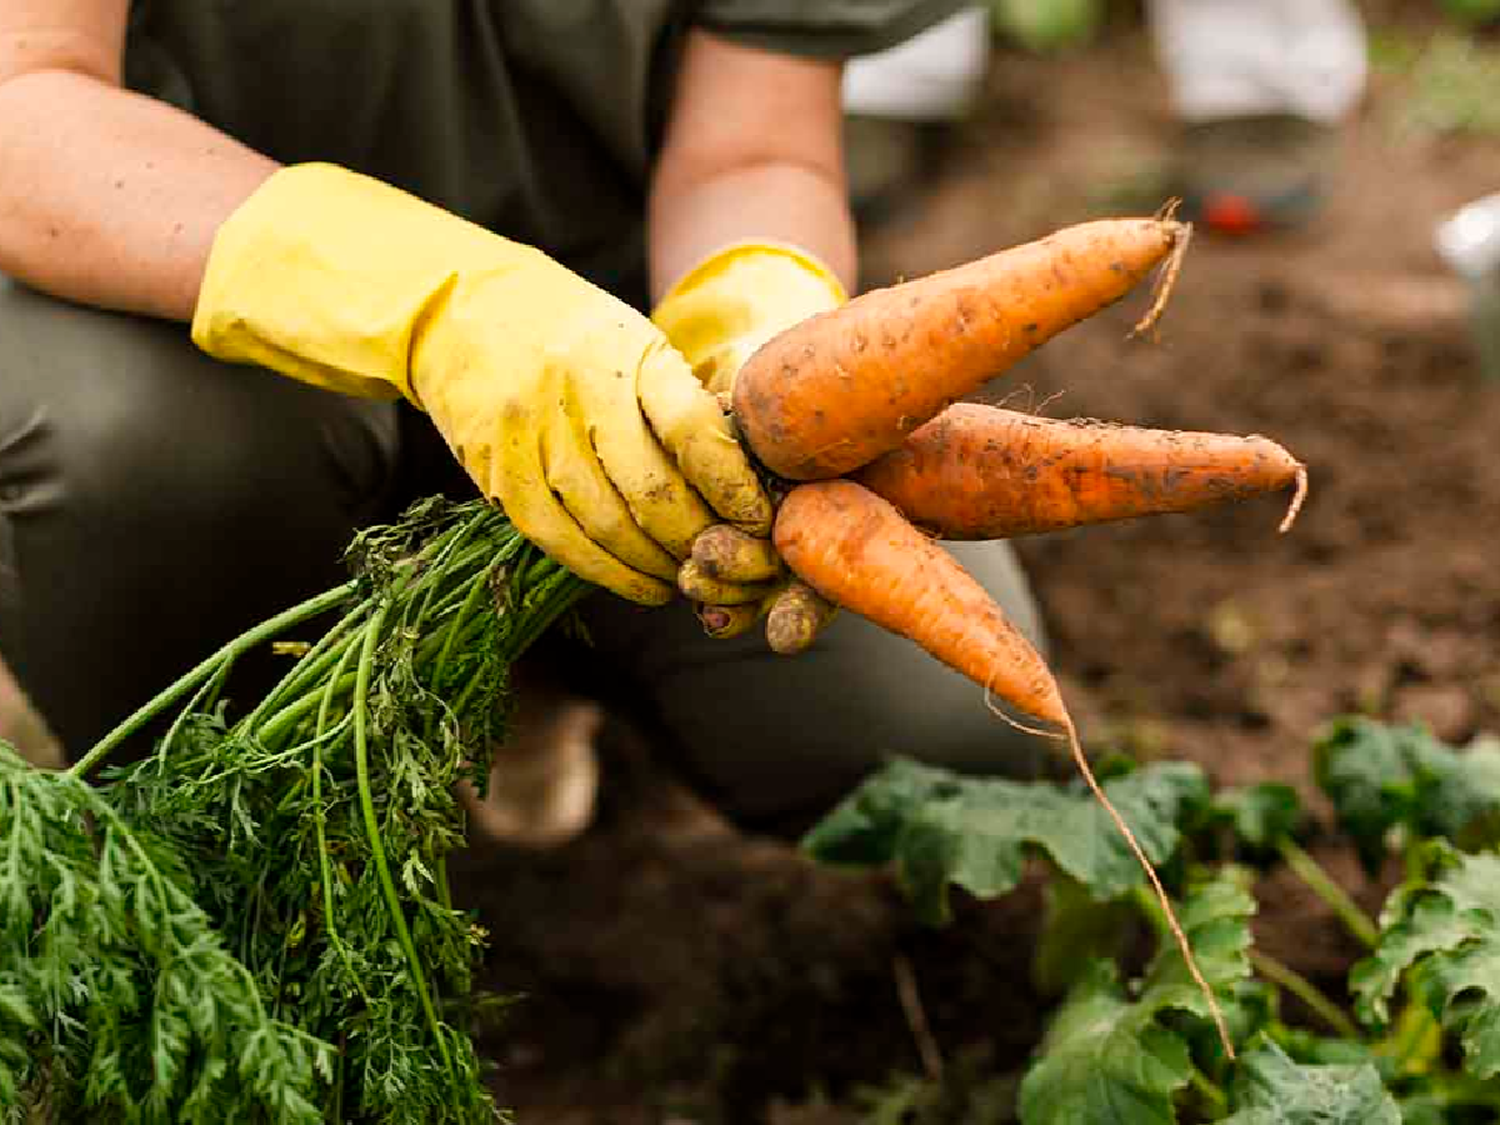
x: 1416, y: 1024
x: 1355, y: 920
x: 320, y: 821
x: 455, y: 627
x: 451, y: 561
x: 230, y: 652
x: 470, y: 602
x: 372, y: 827
x: 312, y: 668
x: 1150, y: 908
x: 563, y: 592
x: 1210, y: 1093
x: 1414, y: 858
x: 1284, y: 976
x: 209, y: 689
x: 296, y: 711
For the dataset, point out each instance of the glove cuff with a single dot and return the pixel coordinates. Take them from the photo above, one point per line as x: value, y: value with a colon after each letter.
x: 737, y: 298
x: 330, y: 277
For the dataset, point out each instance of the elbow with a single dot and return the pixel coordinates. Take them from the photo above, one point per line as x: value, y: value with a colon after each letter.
x: 29, y: 230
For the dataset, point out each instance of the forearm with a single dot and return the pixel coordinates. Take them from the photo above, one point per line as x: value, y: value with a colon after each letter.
x: 753, y: 151
x: 110, y: 198
x: 782, y: 202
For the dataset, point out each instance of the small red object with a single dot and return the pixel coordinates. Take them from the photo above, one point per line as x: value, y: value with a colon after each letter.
x: 1231, y: 214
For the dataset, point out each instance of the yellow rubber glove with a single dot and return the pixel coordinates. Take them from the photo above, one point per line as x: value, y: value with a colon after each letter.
x: 717, y: 315
x: 561, y: 401
x: 728, y: 305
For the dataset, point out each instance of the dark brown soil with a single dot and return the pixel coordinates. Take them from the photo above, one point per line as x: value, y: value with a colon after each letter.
x: 676, y: 970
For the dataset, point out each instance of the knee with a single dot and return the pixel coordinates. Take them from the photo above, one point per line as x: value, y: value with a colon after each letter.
x: 122, y: 416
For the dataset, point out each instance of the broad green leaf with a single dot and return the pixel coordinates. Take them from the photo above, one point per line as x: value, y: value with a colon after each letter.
x: 1109, y: 1057
x: 1458, y: 793
x: 1274, y: 1090
x: 1258, y: 815
x: 1381, y: 776
x: 1076, y: 928
x: 941, y: 828
x: 1448, y: 936
x: 1365, y: 768
x: 1105, y: 1061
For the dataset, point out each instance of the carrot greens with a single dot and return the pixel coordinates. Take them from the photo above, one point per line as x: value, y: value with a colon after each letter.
x: 252, y: 922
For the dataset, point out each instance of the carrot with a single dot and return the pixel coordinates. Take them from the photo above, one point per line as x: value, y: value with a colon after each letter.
x: 979, y: 472
x: 859, y: 552
x: 836, y: 391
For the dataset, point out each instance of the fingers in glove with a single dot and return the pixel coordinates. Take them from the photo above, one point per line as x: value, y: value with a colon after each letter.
x: 515, y: 478
x: 724, y: 621
x: 687, y: 419
x: 730, y: 555
x: 699, y: 587
x: 796, y: 618
x: 658, y: 494
x: 575, y: 474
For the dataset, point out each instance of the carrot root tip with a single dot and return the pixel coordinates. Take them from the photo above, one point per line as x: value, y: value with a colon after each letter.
x: 1295, y: 508
x: 1166, y: 281
x: 999, y: 712
x: 1181, y: 938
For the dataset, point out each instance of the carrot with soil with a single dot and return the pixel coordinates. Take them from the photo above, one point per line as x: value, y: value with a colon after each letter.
x: 980, y: 472
x: 857, y: 551
x: 839, y: 389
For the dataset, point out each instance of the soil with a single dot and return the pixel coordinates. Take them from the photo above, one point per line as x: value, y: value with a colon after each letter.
x: 676, y: 969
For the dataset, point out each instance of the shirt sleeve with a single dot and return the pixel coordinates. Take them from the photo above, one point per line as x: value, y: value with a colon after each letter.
x: 827, y: 29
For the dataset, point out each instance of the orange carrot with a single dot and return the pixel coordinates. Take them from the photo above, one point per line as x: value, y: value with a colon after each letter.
x: 859, y: 552
x: 979, y: 472
x: 841, y: 388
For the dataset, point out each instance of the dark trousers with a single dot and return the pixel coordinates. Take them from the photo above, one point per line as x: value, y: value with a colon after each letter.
x: 154, y: 503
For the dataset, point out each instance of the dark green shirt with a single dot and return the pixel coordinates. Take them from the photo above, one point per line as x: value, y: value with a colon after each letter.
x: 536, y: 118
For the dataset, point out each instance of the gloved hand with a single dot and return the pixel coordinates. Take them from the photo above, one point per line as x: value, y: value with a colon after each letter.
x: 717, y: 315
x: 562, y: 402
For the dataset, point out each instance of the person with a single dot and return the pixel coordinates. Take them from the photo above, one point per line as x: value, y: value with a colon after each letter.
x: 1262, y: 91
x: 276, y: 269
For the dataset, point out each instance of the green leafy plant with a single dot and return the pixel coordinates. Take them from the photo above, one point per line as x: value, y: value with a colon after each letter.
x: 1448, y: 81
x: 1421, y: 1040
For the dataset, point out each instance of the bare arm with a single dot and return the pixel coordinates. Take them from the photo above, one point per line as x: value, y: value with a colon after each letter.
x: 106, y: 197
x: 753, y: 149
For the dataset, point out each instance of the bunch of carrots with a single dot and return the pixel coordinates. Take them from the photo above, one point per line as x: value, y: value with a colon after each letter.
x: 856, y: 412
